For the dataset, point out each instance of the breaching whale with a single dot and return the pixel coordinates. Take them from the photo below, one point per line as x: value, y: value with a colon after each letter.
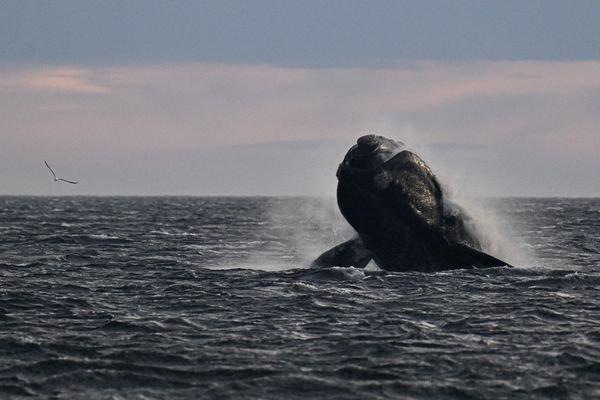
x: 397, y: 207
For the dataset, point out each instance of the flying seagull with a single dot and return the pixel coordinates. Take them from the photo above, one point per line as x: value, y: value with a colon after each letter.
x: 56, y: 178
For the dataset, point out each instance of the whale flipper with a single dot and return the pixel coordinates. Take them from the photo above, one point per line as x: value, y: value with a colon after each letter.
x: 463, y: 256
x: 351, y: 253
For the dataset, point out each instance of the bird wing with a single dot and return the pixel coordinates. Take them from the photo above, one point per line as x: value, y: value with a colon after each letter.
x: 49, y: 168
x: 64, y: 180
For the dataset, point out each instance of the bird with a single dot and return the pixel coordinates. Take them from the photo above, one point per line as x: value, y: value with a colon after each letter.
x: 56, y: 178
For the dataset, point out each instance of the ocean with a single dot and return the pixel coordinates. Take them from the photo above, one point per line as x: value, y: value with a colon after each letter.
x: 213, y: 298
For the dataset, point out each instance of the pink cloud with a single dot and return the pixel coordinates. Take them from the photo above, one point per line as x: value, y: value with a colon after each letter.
x: 195, y: 105
x: 454, y: 82
x: 507, y: 115
x: 69, y: 80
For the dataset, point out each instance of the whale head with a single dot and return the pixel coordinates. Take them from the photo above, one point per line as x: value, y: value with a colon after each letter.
x: 369, y: 152
x: 380, y: 182
x: 387, y: 193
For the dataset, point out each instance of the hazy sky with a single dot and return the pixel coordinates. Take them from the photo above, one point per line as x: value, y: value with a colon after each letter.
x: 265, y: 97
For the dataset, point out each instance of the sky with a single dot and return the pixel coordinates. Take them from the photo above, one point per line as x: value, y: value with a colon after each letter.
x: 142, y: 97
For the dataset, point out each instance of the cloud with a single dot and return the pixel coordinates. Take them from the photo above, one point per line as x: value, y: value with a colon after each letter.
x: 459, y: 81
x: 486, y: 120
x: 68, y: 80
x: 59, y: 107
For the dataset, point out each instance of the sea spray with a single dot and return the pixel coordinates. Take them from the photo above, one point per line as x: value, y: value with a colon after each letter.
x: 493, y: 230
x: 490, y: 227
x: 307, y: 224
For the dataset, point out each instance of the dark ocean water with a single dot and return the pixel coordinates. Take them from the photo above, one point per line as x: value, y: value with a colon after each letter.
x: 186, y: 298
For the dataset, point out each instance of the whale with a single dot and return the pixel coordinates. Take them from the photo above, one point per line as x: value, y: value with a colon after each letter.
x: 402, y: 218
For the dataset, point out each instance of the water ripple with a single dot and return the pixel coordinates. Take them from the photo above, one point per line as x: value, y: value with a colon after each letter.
x: 189, y: 298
